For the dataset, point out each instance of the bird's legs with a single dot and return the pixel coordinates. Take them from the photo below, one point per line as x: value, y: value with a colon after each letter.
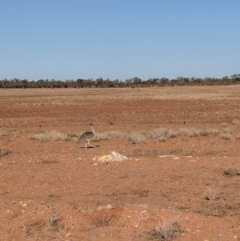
x: 88, y: 143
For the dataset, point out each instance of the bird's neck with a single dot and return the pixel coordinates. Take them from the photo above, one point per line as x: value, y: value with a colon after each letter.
x: 92, y: 128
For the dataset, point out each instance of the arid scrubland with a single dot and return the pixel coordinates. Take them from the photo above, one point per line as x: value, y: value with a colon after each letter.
x: 180, y: 180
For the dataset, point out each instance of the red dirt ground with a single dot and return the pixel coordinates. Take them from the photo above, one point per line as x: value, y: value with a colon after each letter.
x: 51, y: 190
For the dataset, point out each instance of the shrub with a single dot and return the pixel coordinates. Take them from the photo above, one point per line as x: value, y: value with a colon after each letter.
x: 232, y: 172
x: 156, y: 133
x: 211, y: 194
x: 208, y: 131
x: 171, y: 134
x: 226, y: 136
x: 162, y: 138
x: 137, y: 138
x: 4, y: 152
x: 189, y: 132
x: 166, y: 231
x: 51, y: 135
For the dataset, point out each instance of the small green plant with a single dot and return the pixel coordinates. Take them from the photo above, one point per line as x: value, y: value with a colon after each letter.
x: 166, y: 231
x: 211, y: 194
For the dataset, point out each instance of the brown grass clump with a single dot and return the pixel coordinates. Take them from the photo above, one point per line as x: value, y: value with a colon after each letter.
x: 51, y: 135
x: 192, y: 132
x: 103, y: 217
x: 157, y: 133
x: 211, y: 194
x: 52, y: 220
x: 4, y: 152
x: 236, y: 122
x: 232, y: 172
x: 209, y: 131
x: 166, y: 231
x: 226, y: 136
x: 171, y: 134
x: 136, y: 138
x: 109, y: 135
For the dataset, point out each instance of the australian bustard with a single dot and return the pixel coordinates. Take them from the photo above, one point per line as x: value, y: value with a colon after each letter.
x: 87, y: 136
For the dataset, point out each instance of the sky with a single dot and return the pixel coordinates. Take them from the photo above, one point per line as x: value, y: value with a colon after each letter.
x: 119, y: 39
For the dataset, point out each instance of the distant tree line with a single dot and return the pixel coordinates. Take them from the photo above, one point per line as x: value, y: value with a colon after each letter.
x: 107, y: 83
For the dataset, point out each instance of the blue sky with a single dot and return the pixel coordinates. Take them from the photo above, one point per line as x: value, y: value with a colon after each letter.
x: 119, y: 39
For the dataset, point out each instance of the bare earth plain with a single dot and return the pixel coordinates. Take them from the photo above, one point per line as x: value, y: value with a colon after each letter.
x: 179, y: 141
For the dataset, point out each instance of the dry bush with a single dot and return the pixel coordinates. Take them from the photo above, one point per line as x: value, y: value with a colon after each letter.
x: 236, y: 122
x: 51, y: 135
x: 103, y: 218
x: 192, y: 132
x: 166, y: 231
x: 162, y: 138
x: 227, y: 130
x: 226, y: 136
x: 136, y: 138
x: 4, y: 152
x: 211, y: 194
x: 109, y: 135
x: 171, y: 134
x: 156, y: 133
x: 52, y: 220
x: 209, y: 131
x: 232, y: 172
x: 2, y: 132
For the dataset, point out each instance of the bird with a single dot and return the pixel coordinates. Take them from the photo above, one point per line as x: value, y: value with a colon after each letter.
x: 87, y: 136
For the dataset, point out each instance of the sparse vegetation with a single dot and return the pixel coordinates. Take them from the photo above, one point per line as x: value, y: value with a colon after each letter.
x: 211, y: 194
x: 136, y: 138
x: 232, y: 172
x: 109, y: 135
x: 226, y: 136
x: 52, y: 220
x: 51, y: 135
x: 166, y: 231
x: 2, y: 132
x: 162, y: 138
x: 103, y: 218
x: 171, y: 134
x: 236, y: 122
x: 4, y: 152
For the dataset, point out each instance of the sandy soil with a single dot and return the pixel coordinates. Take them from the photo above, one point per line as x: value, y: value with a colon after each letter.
x: 57, y: 190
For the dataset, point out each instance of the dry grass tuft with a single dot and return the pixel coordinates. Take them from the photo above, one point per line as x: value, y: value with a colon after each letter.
x: 236, y: 122
x: 166, y: 231
x: 192, y: 132
x: 209, y: 131
x: 2, y: 132
x: 109, y: 135
x: 52, y: 220
x: 157, y: 133
x: 232, y: 172
x: 211, y: 194
x: 226, y: 136
x: 103, y: 218
x: 171, y: 134
x: 162, y: 138
x: 136, y: 138
x: 4, y: 152
x: 51, y: 135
